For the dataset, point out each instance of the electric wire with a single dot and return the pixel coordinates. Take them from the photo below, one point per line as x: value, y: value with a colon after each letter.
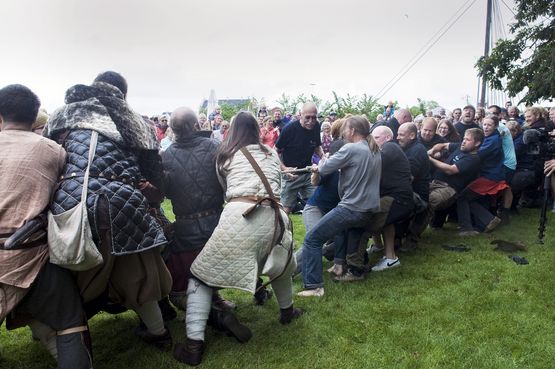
x: 508, y: 7
x: 424, y: 49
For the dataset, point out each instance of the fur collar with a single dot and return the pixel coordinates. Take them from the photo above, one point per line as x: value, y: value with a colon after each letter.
x: 101, y: 107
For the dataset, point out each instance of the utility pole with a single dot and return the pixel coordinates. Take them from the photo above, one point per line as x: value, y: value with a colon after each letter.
x: 486, y: 51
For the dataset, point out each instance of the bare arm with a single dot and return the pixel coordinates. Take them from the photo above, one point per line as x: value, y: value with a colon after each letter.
x: 318, y: 151
x: 444, y: 167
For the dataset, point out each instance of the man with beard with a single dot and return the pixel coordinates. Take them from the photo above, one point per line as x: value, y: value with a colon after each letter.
x: 467, y: 121
x: 452, y: 176
x: 277, y: 121
x: 32, y: 290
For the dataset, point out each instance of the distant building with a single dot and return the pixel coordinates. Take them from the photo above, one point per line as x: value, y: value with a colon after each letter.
x: 232, y: 102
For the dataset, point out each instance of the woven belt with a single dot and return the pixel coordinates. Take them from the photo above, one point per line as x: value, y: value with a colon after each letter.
x: 200, y: 214
x: 110, y: 178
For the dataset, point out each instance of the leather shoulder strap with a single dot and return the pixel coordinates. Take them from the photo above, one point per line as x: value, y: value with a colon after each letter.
x: 258, y: 171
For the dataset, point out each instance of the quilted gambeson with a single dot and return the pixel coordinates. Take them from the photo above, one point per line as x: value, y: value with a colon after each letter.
x: 113, y: 173
x: 235, y: 253
x: 191, y: 183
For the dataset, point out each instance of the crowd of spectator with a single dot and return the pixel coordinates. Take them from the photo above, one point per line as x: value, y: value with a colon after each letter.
x: 232, y: 185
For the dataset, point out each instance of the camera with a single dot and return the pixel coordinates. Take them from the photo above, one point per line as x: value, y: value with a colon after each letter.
x: 539, y: 143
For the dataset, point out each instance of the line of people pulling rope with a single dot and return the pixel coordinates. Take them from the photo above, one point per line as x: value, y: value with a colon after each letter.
x: 81, y: 228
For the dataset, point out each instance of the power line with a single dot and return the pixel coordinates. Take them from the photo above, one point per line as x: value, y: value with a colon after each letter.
x: 422, y: 48
x: 425, y: 49
x: 508, y: 7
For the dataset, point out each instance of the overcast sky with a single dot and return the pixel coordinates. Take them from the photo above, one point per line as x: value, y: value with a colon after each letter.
x: 173, y: 52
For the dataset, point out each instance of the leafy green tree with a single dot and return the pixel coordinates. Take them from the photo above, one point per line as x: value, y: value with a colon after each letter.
x: 422, y: 107
x: 526, y: 61
x: 229, y: 110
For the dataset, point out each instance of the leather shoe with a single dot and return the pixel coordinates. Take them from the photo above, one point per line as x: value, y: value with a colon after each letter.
x: 227, y: 322
x: 287, y: 315
x: 162, y: 341
x: 189, y: 353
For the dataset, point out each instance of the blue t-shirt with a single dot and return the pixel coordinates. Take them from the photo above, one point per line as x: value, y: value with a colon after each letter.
x: 508, y: 146
x: 297, y: 144
x: 326, y: 195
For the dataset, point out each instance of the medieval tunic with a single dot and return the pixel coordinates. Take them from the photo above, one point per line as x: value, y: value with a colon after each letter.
x: 235, y: 253
x: 29, y: 167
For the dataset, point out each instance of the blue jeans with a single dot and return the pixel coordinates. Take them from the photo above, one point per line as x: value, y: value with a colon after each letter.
x: 334, y: 222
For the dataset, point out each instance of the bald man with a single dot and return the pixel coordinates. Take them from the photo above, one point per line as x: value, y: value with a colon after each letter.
x: 420, y: 176
x: 190, y: 163
x: 400, y: 116
x: 395, y: 183
x: 296, y: 144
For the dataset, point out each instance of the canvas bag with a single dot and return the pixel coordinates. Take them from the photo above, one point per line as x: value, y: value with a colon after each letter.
x: 280, y: 258
x: 70, y: 241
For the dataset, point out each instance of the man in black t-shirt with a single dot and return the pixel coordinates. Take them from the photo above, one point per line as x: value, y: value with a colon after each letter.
x: 461, y: 168
x: 296, y: 144
x: 395, y: 183
x: 467, y: 120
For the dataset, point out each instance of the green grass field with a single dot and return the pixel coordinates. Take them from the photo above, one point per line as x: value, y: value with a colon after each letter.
x: 440, y: 309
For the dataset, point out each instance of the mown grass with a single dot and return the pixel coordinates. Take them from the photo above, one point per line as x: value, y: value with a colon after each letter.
x: 440, y: 309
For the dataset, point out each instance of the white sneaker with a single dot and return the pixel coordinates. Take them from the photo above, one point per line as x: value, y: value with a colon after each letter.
x: 316, y: 292
x: 386, y: 263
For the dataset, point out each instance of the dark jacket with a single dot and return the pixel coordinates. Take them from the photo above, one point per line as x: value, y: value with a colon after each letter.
x: 127, y: 152
x: 114, y: 173
x: 192, y: 185
x: 420, y: 168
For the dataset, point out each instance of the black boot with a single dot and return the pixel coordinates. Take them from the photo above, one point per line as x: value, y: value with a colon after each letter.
x: 287, y: 315
x: 162, y: 341
x: 74, y: 351
x: 262, y: 294
x: 226, y: 321
x: 219, y: 303
x: 189, y: 353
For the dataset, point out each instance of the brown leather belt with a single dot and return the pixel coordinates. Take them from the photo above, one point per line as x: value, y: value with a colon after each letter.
x: 200, y: 214
x: 255, y: 200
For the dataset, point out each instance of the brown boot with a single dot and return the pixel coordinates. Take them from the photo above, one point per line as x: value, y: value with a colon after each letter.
x: 189, y: 353
x: 287, y: 315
